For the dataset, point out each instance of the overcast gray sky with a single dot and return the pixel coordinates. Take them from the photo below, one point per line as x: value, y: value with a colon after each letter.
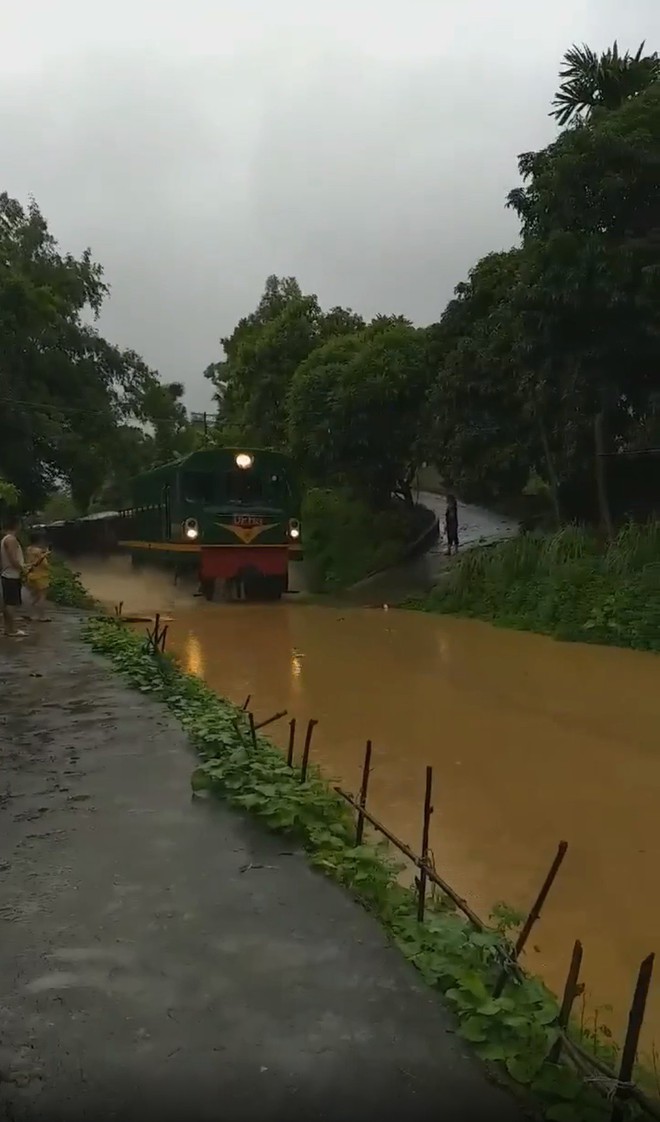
x: 365, y: 146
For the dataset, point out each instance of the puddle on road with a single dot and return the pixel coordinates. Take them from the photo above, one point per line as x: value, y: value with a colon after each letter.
x: 531, y: 741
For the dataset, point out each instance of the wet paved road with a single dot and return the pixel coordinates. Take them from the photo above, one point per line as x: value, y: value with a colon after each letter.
x: 146, y: 971
x: 476, y: 526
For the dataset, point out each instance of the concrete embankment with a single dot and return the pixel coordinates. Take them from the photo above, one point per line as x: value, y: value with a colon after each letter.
x: 164, y: 957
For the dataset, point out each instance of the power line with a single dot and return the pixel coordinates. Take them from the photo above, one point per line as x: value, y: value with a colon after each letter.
x: 70, y: 409
x: 55, y: 408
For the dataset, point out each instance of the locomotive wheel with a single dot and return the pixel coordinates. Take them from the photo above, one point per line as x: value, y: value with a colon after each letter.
x: 264, y: 588
x: 208, y: 589
x: 275, y: 587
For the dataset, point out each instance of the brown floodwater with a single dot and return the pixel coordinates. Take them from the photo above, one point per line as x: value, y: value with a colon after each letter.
x: 531, y: 741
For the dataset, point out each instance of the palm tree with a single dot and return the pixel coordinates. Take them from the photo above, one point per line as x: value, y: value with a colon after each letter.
x: 590, y: 82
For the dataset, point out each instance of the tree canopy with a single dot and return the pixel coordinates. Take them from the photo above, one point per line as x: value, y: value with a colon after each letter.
x: 355, y: 409
x: 70, y: 401
x: 543, y: 340
x: 262, y: 355
x: 590, y: 82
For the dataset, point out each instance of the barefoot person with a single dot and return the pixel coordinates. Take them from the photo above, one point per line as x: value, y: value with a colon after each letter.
x: 12, y: 568
x: 38, y: 576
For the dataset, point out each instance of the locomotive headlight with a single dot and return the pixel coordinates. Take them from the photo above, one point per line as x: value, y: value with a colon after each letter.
x: 243, y: 460
x: 191, y: 529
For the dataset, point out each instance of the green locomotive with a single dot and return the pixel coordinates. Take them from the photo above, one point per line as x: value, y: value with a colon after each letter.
x: 228, y: 514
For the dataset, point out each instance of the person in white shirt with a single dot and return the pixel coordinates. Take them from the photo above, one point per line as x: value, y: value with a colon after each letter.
x: 12, y: 570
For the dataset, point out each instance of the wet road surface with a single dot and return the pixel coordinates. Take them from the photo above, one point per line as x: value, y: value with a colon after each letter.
x: 145, y: 972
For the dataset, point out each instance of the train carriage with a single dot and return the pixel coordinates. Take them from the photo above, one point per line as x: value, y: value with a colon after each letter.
x: 95, y: 533
x: 229, y: 514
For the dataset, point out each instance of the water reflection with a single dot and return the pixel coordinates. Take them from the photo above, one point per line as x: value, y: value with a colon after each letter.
x: 193, y: 656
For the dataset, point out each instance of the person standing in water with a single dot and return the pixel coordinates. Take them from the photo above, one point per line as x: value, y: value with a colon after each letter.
x: 12, y: 570
x: 38, y: 576
x: 451, y: 524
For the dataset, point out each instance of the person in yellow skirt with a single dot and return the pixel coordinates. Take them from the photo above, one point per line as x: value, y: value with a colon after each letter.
x: 37, y: 575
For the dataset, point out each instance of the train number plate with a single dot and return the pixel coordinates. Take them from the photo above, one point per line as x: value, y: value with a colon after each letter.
x: 247, y: 521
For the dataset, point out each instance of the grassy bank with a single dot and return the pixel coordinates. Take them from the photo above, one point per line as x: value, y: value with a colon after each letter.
x: 569, y: 585
x: 346, y: 540
x: 66, y: 588
x: 512, y: 1033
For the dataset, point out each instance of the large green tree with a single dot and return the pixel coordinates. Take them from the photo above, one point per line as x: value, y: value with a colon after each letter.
x: 43, y: 346
x: 356, y: 410
x: 590, y: 283
x: 65, y: 392
x: 481, y: 434
x: 162, y: 408
x: 551, y: 350
x: 262, y: 355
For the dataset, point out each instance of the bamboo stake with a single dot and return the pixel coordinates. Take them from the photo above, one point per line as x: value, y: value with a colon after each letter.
x: 269, y: 720
x: 292, y: 740
x: 534, y: 913
x: 570, y: 993
x: 366, y: 769
x: 306, y: 748
x: 428, y: 811
x: 431, y: 874
x: 631, y: 1043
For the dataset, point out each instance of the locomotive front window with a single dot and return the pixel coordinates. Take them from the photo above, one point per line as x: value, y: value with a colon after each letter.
x: 244, y: 487
x: 236, y: 488
x: 198, y: 487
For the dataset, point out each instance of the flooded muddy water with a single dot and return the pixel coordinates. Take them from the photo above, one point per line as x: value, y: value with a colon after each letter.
x: 531, y: 742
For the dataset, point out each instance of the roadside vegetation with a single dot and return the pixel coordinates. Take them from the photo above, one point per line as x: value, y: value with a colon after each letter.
x: 346, y: 539
x: 571, y: 585
x: 513, y: 1033
x: 66, y: 588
